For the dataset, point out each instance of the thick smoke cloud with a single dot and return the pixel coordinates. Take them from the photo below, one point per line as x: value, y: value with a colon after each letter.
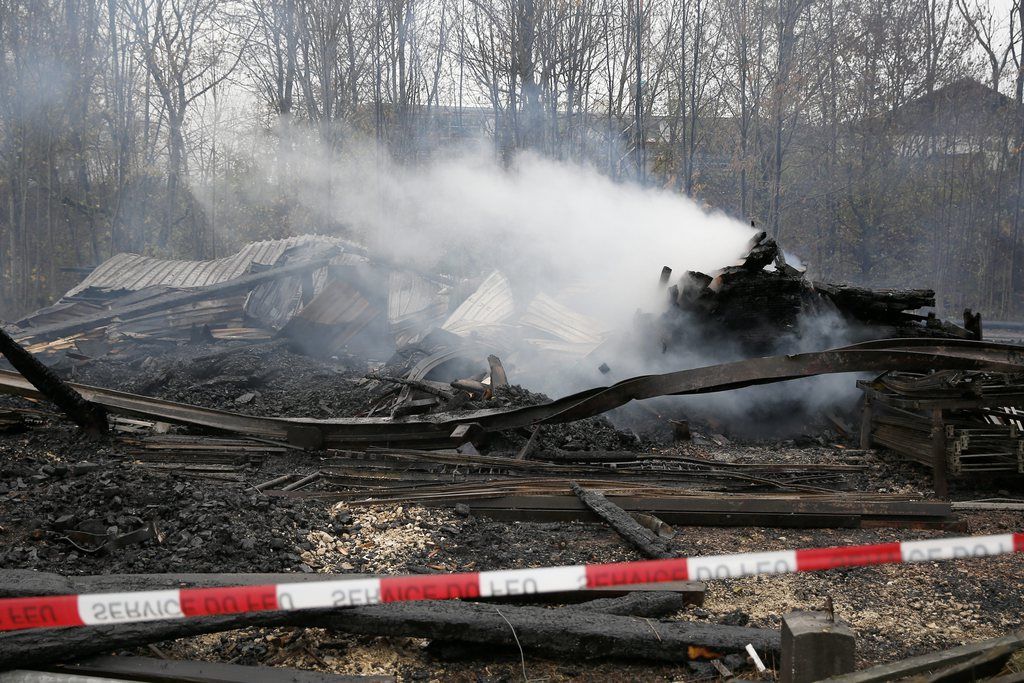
x: 545, y: 224
x: 596, y: 245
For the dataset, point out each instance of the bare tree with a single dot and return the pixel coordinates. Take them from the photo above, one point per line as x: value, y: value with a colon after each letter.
x: 183, y: 46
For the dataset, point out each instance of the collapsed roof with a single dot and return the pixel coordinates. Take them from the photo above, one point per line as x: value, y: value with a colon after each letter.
x: 326, y: 294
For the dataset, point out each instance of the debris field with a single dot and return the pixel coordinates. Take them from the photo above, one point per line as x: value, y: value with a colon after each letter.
x: 241, y: 422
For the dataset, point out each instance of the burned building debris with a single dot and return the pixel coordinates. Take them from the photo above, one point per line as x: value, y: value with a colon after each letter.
x: 761, y: 300
x: 304, y: 410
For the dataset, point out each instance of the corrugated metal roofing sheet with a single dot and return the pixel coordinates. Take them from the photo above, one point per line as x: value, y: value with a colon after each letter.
x: 415, y: 305
x: 547, y: 315
x: 133, y: 272
x: 490, y: 304
x: 329, y: 321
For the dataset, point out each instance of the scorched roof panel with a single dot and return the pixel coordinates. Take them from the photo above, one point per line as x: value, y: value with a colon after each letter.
x: 133, y: 271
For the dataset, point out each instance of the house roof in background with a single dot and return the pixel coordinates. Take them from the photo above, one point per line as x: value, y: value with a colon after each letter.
x: 965, y: 103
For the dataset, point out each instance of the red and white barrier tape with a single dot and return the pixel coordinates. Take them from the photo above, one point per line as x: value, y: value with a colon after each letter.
x: 121, y: 608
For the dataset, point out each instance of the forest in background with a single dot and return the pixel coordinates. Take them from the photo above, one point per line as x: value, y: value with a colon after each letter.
x: 881, y: 140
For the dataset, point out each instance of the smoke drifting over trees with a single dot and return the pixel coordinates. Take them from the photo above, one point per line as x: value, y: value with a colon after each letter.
x: 879, y: 139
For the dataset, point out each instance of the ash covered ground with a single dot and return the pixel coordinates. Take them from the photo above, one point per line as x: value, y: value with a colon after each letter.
x: 229, y: 526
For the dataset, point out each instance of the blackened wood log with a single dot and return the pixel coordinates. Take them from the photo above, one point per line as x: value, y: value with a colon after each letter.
x: 567, y: 633
x: 881, y: 305
x: 650, y: 605
x: 559, y: 633
x: 91, y: 417
x: 618, y: 519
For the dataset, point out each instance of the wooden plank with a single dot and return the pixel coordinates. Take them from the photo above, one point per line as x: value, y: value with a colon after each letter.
x: 928, y: 662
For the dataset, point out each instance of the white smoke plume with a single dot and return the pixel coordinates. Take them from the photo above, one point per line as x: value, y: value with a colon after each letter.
x: 549, y: 226
x: 545, y: 224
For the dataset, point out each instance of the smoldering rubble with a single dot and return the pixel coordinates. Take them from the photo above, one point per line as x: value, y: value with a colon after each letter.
x: 305, y: 407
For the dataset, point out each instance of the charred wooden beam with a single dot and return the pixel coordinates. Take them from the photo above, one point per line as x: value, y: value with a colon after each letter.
x: 427, y: 387
x: 650, y: 605
x: 472, y: 387
x: 876, y: 305
x: 91, y: 417
x: 618, y: 519
x: 559, y: 633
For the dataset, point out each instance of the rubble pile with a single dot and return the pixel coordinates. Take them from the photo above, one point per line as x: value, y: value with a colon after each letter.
x: 761, y: 301
x: 264, y: 378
